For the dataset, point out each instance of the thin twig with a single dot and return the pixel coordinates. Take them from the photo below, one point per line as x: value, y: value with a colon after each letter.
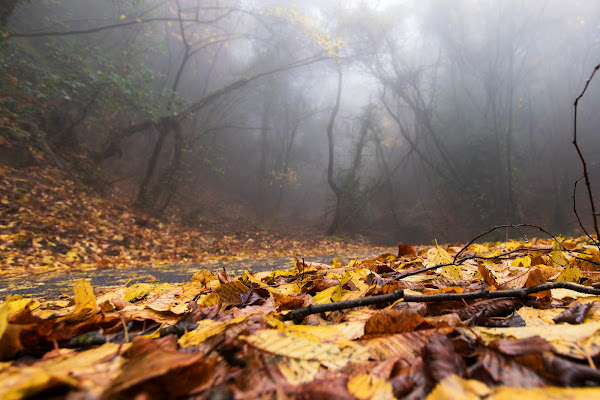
x: 516, y: 226
x: 125, y: 330
x: 407, y: 274
x: 583, y: 162
x: 577, y: 214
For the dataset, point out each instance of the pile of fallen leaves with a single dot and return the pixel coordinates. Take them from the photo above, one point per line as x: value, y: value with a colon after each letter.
x: 49, y: 223
x: 261, y: 335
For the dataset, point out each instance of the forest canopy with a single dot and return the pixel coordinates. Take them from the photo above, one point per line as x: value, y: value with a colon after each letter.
x: 398, y: 120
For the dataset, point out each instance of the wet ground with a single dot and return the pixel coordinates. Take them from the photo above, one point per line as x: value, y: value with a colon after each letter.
x: 54, y: 284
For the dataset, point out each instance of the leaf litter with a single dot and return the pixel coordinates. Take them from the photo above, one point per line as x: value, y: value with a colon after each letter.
x: 220, y: 335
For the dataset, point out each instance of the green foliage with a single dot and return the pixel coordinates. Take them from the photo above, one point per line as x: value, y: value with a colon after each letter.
x: 79, y: 84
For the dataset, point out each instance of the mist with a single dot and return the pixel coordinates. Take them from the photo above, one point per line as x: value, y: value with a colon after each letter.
x: 398, y: 121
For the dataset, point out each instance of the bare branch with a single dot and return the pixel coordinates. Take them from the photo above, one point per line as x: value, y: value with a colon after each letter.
x: 584, y: 164
x: 391, y: 297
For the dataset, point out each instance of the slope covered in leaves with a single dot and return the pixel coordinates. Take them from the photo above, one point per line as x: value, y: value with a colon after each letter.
x: 261, y: 335
x: 48, y: 222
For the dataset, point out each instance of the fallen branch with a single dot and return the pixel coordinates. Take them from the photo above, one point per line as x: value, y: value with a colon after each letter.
x: 391, y: 297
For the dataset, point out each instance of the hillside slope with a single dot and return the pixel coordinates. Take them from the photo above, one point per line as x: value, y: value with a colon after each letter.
x: 49, y: 222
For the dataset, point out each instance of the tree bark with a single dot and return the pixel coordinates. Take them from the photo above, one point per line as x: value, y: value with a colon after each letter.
x: 263, y: 195
x: 143, y: 199
x: 6, y: 9
x: 334, y: 187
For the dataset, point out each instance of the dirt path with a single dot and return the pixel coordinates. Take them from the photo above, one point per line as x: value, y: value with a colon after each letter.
x: 53, y: 284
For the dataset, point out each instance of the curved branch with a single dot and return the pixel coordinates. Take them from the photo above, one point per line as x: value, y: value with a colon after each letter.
x: 583, y: 163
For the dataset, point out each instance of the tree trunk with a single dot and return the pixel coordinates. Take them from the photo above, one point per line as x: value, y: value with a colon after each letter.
x: 168, y: 179
x: 334, y: 187
x: 263, y: 184
x: 6, y: 9
x: 143, y: 199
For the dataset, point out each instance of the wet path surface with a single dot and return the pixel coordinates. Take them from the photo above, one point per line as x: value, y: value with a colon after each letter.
x: 53, y: 284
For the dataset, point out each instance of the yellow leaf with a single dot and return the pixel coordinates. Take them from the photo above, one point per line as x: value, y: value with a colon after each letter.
x: 570, y: 274
x: 455, y: 387
x: 329, y: 295
x: 347, y: 276
x: 549, y: 393
x: 365, y: 386
x: 521, y: 261
x: 234, y: 293
x: 25, y: 382
x: 85, y: 302
x: 293, y: 346
x: 209, y: 299
x: 328, y: 333
x: 138, y: 291
x: 138, y: 20
x: 169, y: 23
x: 122, y: 17
x: 208, y: 328
x: 408, y: 345
x: 558, y: 259
x: 296, y: 371
x: 4, y: 313
x: 451, y: 272
x: 290, y: 289
x: 203, y: 276
x: 16, y: 303
x: 437, y: 256
x: 577, y: 341
x: 48, y: 260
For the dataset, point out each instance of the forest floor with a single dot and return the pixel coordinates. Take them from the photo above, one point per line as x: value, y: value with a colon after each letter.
x: 48, y: 223
x: 103, y: 302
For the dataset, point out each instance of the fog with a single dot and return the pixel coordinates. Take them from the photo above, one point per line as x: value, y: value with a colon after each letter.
x: 453, y: 116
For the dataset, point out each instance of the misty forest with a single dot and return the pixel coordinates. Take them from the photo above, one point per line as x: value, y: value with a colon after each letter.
x: 400, y: 148
x: 400, y: 121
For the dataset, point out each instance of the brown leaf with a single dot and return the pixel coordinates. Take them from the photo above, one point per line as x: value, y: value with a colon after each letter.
x: 332, y: 388
x: 490, y: 308
x: 199, y: 312
x: 487, y: 276
x: 560, y: 370
x: 405, y: 249
x: 575, y: 314
x: 224, y: 277
x: 286, y: 302
x: 521, y: 347
x: 410, y: 382
x: 536, y: 277
x: 10, y: 342
x: 569, y: 373
x: 395, y: 321
x: 156, y: 370
x: 514, y: 320
x: 233, y: 293
x: 382, y: 268
x: 451, y: 320
x: 440, y: 359
x: 495, y: 369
